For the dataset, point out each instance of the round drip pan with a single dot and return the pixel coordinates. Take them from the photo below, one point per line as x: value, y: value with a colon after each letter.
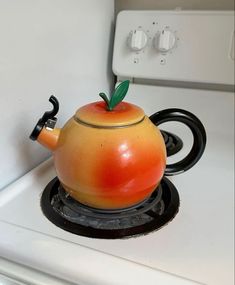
x: 72, y: 216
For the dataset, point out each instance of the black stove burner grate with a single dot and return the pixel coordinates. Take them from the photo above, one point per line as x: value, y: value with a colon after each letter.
x: 173, y: 143
x: 94, y: 213
x: 72, y: 216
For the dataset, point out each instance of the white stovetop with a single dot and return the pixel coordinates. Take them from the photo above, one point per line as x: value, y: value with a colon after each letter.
x: 196, y: 245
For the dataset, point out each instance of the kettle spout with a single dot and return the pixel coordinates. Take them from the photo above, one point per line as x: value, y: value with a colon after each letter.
x: 44, y: 131
x: 49, y: 138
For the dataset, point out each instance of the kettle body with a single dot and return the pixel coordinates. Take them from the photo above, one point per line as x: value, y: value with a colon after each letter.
x: 109, y: 168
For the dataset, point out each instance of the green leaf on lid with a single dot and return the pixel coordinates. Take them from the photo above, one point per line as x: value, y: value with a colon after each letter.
x: 117, y: 96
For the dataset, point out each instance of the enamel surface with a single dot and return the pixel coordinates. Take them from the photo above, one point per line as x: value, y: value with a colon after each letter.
x: 110, y: 168
x: 123, y: 114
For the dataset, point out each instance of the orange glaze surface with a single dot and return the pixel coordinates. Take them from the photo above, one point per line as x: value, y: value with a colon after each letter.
x: 49, y: 138
x: 110, y: 168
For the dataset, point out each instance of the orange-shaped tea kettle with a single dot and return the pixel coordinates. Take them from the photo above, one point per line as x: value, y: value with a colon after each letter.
x: 110, y: 155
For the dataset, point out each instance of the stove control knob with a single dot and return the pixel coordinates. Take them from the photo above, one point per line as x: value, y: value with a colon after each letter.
x: 165, y: 41
x: 137, y: 40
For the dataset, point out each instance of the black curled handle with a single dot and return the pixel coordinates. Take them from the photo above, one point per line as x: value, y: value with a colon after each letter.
x: 48, y: 116
x: 199, y: 137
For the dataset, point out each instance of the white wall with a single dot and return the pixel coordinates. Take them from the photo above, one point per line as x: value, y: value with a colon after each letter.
x: 172, y: 4
x: 59, y: 47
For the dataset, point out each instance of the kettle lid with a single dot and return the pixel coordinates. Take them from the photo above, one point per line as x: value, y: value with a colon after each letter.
x: 96, y: 114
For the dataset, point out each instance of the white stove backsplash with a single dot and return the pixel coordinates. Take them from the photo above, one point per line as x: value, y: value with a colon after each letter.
x: 47, y: 48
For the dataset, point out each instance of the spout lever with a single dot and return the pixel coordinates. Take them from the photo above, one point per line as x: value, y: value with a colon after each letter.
x: 47, y: 119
